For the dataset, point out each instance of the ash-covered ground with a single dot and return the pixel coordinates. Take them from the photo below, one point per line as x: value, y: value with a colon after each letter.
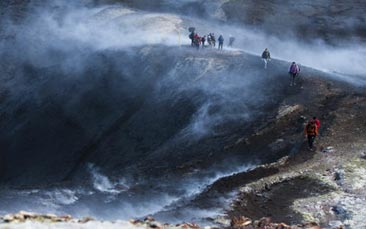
x: 107, y: 111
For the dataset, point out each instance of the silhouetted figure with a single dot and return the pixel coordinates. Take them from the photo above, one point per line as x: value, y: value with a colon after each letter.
x: 221, y: 42
x: 209, y: 39
x: 294, y: 70
x: 213, y: 39
x: 203, y: 40
x: 197, y: 41
x: 191, y: 36
x: 231, y: 41
x: 266, y: 57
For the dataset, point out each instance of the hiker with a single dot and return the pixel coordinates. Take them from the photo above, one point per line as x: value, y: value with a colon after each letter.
x: 294, y: 70
x: 317, y: 122
x: 221, y: 42
x: 231, y: 41
x: 203, y: 40
x: 209, y: 39
x: 266, y: 56
x: 197, y: 41
x: 213, y: 39
x: 311, y: 131
x: 191, y: 34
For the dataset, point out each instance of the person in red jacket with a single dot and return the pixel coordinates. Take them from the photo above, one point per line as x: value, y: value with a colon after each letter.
x: 311, y: 131
x: 317, y: 122
x: 197, y: 40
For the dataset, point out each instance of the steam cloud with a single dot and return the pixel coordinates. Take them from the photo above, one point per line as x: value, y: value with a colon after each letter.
x: 74, y: 39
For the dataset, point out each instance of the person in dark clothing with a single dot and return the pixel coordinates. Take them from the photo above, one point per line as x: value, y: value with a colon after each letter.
x: 221, y: 42
x: 231, y: 41
x: 209, y: 39
x: 266, y: 56
x: 213, y: 39
x: 191, y: 36
x: 311, y: 131
x: 294, y: 70
x: 203, y: 40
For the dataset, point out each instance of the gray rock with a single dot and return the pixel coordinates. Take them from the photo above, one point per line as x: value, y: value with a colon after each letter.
x: 286, y: 110
x: 329, y: 149
x: 363, y: 155
x: 341, y: 212
x: 335, y: 224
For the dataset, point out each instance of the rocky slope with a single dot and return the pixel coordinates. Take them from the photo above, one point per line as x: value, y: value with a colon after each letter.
x: 326, y: 186
x: 183, y: 115
x: 336, y: 22
x: 329, y: 20
x: 32, y: 220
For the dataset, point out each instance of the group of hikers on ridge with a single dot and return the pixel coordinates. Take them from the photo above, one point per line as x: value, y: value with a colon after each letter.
x: 311, y: 130
x: 200, y: 41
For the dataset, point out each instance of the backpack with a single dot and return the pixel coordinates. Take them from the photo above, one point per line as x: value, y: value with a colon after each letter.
x: 191, y: 36
x: 294, y: 69
x: 265, y: 55
x: 310, y: 128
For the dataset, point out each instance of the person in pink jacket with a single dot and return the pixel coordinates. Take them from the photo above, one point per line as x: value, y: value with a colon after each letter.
x: 294, y: 70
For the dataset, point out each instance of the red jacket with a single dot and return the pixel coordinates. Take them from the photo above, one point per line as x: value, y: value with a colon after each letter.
x: 311, y: 129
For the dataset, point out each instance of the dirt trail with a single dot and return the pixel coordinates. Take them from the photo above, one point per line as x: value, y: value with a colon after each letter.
x: 325, y: 186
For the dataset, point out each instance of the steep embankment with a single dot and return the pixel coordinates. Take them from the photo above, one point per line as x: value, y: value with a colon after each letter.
x: 133, y: 115
x: 324, y: 186
x: 91, y: 123
x: 104, y: 112
x: 103, y: 120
